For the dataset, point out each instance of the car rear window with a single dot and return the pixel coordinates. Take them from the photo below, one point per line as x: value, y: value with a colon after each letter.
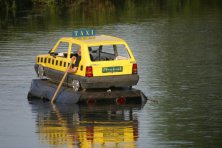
x: 108, y: 52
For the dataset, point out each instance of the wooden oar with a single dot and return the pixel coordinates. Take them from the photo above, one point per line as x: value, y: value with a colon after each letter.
x: 60, y: 84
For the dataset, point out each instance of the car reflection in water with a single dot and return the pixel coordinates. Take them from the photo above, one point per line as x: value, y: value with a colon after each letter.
x: 86, y: 125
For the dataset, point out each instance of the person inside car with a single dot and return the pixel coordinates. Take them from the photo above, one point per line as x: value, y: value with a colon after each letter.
x: 77, y: 59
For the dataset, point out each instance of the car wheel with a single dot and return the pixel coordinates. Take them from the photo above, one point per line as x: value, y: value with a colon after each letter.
x: 29, y: 96
x: 130, y: 87
x: 40, y: 72
x: 75, y: 85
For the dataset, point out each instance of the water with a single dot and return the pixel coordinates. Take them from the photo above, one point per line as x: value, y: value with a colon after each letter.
x: 179, y: 57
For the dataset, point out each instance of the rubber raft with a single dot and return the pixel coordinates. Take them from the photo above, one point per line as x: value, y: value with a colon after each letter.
x: 44, y: 89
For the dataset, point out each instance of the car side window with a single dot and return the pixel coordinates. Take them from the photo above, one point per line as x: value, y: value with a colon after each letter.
x: 121, y: 52
x: 75, y: 48
x: 62, y: 49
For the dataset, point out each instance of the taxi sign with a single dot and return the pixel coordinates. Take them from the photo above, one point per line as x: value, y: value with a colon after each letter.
x: 83, y: 33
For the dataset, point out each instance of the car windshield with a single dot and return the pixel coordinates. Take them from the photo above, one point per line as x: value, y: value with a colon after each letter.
x: 108, y: 52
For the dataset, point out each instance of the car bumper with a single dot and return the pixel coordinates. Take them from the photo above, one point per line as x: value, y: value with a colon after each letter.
x: 92, y: 82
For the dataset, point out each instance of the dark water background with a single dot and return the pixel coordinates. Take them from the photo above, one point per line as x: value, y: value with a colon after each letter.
x: 178, y: 47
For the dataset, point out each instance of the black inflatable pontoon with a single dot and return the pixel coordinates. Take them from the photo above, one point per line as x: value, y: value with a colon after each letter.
x: 44, y: 89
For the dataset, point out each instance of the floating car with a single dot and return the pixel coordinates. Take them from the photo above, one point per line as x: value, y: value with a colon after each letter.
x: 106, y: 62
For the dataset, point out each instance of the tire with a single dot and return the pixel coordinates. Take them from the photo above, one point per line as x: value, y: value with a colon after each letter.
x: 75, y: 85
x: 130, y: 87
x: 40, y: 72
x: 29, y: 96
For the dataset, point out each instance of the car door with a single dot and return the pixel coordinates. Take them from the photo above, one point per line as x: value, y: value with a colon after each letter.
x: 61, y: 56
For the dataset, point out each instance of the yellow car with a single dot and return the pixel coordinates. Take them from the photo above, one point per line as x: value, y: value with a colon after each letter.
x: 106, y: 62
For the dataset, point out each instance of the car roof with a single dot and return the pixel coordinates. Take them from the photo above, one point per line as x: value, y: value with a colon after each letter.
x: 96, y: 40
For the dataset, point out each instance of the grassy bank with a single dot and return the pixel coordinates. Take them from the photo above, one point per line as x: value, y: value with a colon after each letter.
x: 99, y: 11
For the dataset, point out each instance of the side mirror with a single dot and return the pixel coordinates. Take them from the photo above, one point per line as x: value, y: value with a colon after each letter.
x: 52, y: 53
x: 49, y: 52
